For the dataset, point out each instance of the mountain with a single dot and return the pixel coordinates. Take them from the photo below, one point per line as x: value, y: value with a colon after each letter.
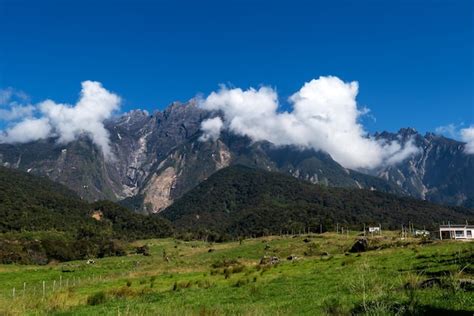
x: 441, y: 172
x: 158, y: 157
x: 194, y: 161
x: 243, y: 201
x: 139, y: 141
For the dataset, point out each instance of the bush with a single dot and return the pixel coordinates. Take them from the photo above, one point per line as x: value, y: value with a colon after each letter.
x: 143, y: 250
x: 123, y: 292
x: 224, y: 263
x: 97, y: 298
x: 241, y: 282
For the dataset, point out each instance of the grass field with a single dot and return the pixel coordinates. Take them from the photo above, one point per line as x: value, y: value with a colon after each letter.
x: 198, y: 278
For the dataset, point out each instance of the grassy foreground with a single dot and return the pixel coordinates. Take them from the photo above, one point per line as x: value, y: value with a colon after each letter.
x: 198, y: 278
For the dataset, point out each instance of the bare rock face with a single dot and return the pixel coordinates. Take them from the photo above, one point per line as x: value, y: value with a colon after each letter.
x: 158, y: 190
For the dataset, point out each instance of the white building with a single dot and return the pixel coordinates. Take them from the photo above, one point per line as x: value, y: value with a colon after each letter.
x: 465, y: 232
x: 374, y: 229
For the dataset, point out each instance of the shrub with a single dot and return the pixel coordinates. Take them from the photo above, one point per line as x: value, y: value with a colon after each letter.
x: 122, y: 292
x: 332, y: 306
x: 224, y: 263
x: 238, y: 268
x: 204, y: 284
x: 143, y: 250
x: 241, y: 282
x: 182, y: 285
x: 97, y: 298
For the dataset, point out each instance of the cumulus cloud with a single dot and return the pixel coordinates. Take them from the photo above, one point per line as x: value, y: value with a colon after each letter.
x: 10, y: 95
x: 27, y: 130
x: 324, y: 117
x: 450, y: 130
x: 211, y: 129
x: 467, y: 135
x: 67, y: 122
x: 13, y: 105
x: 15, y: 112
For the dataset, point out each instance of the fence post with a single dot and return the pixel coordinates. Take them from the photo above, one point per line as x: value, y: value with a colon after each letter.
x: 44, y: 289
x: 13, y: 292
x: 24, y: 288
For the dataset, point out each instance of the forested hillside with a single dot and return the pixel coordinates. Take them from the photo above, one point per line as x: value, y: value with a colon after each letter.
x: 241, y: 201
x: 41, y: 221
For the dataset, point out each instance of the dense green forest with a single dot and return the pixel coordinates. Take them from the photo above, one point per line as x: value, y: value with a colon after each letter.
x: 241, y: 201
x: 41, y: 220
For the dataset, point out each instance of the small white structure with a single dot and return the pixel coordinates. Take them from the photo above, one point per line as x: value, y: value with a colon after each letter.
x: 422, y: 233
x: 465, y: 232
x: 374, y: 229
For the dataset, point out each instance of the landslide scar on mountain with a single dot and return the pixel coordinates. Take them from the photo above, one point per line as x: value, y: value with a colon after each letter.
x: 158, y: 192
x: 225, y: 157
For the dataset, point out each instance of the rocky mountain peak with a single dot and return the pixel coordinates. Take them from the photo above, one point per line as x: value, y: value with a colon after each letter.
x: 407, y: 131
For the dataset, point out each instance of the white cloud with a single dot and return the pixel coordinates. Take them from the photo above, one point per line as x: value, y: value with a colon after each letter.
x: 27, y: 130
x: 450, y: 130
x: 211, y: 129
x: 13, y: 105
x: 67, y: 122
x: 324, y: 117
x: 16, y: 111
x: 467, y: 135
x: 5, y: 95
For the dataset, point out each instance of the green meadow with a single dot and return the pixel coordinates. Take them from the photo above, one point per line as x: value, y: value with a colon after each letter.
x: 393, y: 277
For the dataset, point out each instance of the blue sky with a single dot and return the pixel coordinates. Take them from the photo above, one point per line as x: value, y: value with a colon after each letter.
x: 413, y: 59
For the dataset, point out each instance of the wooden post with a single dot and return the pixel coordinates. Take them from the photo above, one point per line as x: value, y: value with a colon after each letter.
x: 13, y: 292
x: 24, y: 288
x: 44, y: 289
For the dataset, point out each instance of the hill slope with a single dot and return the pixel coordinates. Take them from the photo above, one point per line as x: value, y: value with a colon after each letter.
x: 31, y: 203
x: 41, y: 220
x: 243, y: 201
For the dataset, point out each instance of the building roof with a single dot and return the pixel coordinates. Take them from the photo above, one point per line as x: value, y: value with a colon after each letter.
x: 457, y: 226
